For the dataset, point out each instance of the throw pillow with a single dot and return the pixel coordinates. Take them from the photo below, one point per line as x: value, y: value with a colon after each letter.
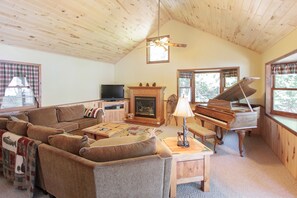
x: 3, y: 123
x: 92, y: 112
x: 17, y: 127
x: 42, y: 133
x: 70, y: 143
x: 119, y: 148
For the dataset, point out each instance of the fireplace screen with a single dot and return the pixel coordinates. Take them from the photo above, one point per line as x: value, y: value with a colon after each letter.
x: 145, y: 107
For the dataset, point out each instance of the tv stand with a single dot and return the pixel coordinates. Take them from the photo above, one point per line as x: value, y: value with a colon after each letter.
x: 114, y: 110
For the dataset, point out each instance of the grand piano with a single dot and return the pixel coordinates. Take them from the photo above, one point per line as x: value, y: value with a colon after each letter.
x: 225, y: 113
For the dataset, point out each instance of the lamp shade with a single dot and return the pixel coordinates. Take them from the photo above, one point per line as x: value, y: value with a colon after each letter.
x: 183, y: 108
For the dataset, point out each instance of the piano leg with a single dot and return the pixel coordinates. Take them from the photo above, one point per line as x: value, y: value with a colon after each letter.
x: 220, y: 131
x: 241, y: 134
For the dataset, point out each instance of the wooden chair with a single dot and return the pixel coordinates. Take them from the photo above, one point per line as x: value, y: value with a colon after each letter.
x: 170, y: 107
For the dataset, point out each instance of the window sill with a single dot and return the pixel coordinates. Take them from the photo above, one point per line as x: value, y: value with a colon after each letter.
x: 288, y: 123
x: 17, y: 109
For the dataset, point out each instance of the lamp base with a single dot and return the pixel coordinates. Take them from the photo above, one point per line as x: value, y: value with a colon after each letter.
x: 183, y: 143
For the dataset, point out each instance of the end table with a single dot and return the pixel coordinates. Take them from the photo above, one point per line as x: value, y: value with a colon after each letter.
x: 189, y: 164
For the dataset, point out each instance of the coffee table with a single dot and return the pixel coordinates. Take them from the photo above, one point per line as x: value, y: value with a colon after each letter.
x: 105, y: 130
x: 189, y: 164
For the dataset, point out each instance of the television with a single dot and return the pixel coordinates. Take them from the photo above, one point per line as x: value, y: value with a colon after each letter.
x: 112, y: 92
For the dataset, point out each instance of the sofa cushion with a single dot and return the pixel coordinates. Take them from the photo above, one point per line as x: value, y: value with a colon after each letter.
x: 22, y: 116
x: 66, y: 126
x: 70, y: 143
x: 86, y: 122
x: 43, y: 116
x: 19, y: 117
x: 118, y: 148
x: 3, y: 122
x: 17, y: 127
x: 91, y: 112
x: 70, y: 113
x: 41, y: 133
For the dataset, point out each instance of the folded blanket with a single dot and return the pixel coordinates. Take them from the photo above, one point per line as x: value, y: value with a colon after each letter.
x: 9, y: 150
x: 2, y: 131
x: 19, y: 161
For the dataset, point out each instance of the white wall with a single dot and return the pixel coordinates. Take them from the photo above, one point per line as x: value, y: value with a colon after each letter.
x: 65, y: 79
x: 203, y: 50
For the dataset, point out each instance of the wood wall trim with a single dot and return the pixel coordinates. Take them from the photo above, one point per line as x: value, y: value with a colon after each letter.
x: 282, y: 142
x: 273, y: 117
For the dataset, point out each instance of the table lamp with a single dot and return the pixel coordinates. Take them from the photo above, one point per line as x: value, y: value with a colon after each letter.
x: 184, y: 110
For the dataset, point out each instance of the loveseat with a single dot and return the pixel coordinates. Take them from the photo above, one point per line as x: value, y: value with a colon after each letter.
x: 67, y: 175
x: 71, y: 119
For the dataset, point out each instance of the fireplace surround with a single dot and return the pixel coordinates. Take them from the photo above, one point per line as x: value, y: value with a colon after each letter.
x: 147, y: 105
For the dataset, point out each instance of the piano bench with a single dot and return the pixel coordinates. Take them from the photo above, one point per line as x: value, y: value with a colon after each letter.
x: 203, y: 133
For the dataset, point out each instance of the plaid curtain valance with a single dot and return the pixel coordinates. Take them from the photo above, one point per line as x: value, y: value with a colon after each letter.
x: 284, y: 68
x: 230, y: 73
x: 9, y: 70
x: 185, y: 74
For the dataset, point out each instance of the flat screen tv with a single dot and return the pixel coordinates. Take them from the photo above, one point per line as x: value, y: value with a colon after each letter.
x: 112, y: 92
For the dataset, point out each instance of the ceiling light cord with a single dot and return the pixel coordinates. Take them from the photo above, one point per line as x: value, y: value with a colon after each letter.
x: 159, y: 18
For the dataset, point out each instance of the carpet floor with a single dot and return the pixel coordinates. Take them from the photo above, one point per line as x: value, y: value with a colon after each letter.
x: 259, y: 174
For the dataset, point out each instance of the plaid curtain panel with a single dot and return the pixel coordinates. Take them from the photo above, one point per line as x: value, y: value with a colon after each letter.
x: 230, y: 73
x: 10, y: 70
x: 284, y: 68
x: 185, y: 74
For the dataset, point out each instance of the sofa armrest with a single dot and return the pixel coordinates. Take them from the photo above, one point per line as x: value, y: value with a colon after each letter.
x: 135, y: 177
x: 146, y: 176
x: 66, y: 175
x: 164, y: 152
x: 100, y: 115
x: 162, y: 149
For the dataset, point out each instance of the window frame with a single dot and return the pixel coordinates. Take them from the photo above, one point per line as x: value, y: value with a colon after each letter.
x: 206, y: 70
x: 37, y: 98
x: 148, y: 50
x: 273, y: 88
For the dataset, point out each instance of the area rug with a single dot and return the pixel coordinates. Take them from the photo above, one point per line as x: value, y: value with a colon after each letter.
x: 139, y: 130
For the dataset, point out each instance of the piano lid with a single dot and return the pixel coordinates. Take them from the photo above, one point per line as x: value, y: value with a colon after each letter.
x: 234, y: 93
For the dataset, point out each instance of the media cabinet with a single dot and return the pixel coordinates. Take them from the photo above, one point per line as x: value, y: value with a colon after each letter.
x: 115, y: 110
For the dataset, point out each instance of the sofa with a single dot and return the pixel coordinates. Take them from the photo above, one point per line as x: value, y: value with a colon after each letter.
x: 72, y: 166
x: 71, y: 118
x: 68, y: 175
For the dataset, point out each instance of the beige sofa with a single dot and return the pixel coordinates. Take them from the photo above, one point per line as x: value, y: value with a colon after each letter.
x: 70, y: 176
x: 69, y: 118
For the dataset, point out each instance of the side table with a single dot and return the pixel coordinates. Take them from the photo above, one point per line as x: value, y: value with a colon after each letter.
x: 189, y: 164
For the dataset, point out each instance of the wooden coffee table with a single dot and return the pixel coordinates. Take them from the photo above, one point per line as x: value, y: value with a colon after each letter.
x: 104, y: 130
x: 189, y: 164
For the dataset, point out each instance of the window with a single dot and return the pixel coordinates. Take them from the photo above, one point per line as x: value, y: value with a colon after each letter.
x: 184, y: 82
x: 284, y: 89
x: 157, y: 50
x: 200, y: 85
x: 20, y: 85
x: 207, y: 86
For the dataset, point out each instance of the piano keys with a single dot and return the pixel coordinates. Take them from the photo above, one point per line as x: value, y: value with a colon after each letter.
x: 224, y: 113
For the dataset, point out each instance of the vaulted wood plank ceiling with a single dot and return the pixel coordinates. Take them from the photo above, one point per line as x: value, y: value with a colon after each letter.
x: 107, y: 30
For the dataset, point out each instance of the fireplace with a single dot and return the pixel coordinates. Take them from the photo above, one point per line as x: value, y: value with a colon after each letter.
x: 145, y: 107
